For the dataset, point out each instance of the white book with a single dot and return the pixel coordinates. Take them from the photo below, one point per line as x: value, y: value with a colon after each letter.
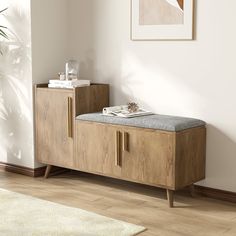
x: 109, y: 110
x: 66, y: 86
x: 127, y: 114
x: 122, y: 111
x: 69, y: 82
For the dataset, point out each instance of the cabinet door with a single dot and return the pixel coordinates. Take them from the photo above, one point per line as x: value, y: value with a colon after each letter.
x: 97, y: 148
x: 148, y: 156
x: 54, y: 126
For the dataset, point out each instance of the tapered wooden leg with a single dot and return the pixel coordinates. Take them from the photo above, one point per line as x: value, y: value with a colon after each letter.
x: 170, y: 197
x: 192, y: 190
x: 47, y: 172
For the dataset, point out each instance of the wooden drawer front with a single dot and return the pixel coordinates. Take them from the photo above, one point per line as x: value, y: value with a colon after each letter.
x: 54, y: 127
x: 95, y: 148
x: 149, y: 156
x: 142, y: 155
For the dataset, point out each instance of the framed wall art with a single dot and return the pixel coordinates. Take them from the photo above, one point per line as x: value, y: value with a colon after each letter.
x: 161, y: 19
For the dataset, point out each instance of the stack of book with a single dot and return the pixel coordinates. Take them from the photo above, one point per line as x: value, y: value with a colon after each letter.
x: 56, y: 83
x: 122, y: 111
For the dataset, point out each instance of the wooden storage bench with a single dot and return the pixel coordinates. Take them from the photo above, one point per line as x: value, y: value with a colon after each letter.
x: 163, y: 151
x: 157, y: 150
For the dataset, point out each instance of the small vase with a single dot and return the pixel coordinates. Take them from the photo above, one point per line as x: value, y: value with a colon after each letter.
x: 72, y: 70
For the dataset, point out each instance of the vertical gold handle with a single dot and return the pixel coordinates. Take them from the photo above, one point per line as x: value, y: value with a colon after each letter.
x: 125, y: 141
x: 117, y: 148
x: 69, y: 116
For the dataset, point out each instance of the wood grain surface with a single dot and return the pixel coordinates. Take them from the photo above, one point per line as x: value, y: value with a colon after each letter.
x: 134, y: 203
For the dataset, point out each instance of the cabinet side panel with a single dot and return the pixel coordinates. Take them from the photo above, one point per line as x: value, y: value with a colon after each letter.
x: 99, y: 97
x: 91, y: 98
x: 82, y: 100
x: 190, y: 156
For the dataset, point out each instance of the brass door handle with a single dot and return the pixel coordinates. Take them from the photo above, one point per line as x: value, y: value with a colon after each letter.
x: 69, y: 117
x: 125, y: 141
x: 117, y: 148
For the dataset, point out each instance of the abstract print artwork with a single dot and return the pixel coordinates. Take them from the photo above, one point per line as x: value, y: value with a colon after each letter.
x: 161, y: 19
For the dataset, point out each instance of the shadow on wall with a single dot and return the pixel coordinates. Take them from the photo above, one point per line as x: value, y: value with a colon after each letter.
x: 221, y: 148
x: 16, y: 138
x: 86, y: 69
x: 92, y: 71
x: 124, y: 87
x: 174, y: 78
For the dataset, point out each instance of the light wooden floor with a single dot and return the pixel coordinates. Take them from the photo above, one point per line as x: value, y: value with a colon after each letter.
x: 130, y: 202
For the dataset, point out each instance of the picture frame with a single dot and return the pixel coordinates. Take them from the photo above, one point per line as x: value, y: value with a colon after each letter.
x: 162, y: 19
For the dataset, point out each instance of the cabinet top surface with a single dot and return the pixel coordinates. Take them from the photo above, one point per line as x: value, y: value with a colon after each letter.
x: 45, y: 87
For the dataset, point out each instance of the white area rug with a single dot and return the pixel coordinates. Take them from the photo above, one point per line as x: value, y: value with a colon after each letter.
x: 22, y: 215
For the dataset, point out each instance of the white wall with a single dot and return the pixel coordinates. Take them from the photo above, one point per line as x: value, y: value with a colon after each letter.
x: 195, y: 78
x: 22, y: 66
x: 82, y: 32
x: 16, y: 119
x: 49, y: 38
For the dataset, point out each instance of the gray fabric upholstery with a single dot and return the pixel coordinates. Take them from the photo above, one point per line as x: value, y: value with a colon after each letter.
x: 161, y: 122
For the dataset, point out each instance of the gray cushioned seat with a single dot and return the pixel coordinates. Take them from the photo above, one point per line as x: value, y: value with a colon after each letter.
x: 161, y: 122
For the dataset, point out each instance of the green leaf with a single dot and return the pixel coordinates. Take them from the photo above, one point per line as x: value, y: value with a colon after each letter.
x: 3, y: 10
x: 3, y: 34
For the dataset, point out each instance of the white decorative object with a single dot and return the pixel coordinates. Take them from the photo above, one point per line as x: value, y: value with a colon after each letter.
x: 72, y: 70
x: 123, y: 111
x: 62, y: 76
x: 55, y: 83
x: 161, y: 19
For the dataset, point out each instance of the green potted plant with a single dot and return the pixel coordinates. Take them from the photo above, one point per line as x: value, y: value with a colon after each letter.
x: 2, y: 30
